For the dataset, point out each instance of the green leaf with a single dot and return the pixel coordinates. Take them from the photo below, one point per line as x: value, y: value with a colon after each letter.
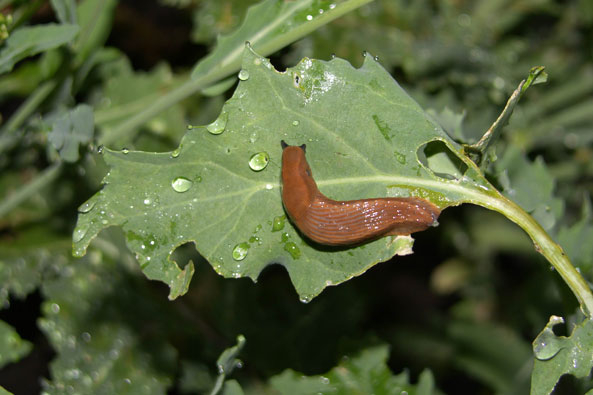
x: 99, y: 330
x: 530, y: 185
x: 95, y: 18
x: 377, y: 142
x: 559, y: 355
x: 12, y: 346
x: 25, y: 258
x: 366, y: 373
x: 270, y: 26
x: 65, y: 11
x: 29, y: 41
x: 74, y: 128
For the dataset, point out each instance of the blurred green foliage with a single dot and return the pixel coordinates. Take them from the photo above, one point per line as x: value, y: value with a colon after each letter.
x: 466, y: 305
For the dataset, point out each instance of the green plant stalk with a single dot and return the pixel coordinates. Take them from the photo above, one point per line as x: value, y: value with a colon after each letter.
x: 545, y: 246
x: 28, y: 107
x: 218, y: 384
x: 230, y: 64
x: 492, y: 199
x: 43, y: 179
x: 164, y: 102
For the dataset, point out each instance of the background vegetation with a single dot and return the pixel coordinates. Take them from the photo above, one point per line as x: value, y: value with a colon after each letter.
x: 458, y: 315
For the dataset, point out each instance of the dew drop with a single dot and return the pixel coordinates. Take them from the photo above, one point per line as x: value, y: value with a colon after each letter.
x: 269, y: 187
x: 86, y: 207
x: 305, y: 299
x: 175, y: 153
x: 240, y: 251
x: 278, y: 223
x: 292, y: 249
x: 217, y: 127
x: 243, y: 75
x: 199, y: 178
x: 55, y: 308
x: 181, y: 184
x: 147, y: 201
x: 79, y: 233
x: 295, y: 123
x: 309, y: 17
x: 332, y: 6
x: 547, y: 344
x: 125, y: 151
x: 259, y: 161
x: 100, y: 149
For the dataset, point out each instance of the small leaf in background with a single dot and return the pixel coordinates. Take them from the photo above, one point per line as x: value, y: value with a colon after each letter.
x: 365, y: 373
x: 577, y: 241
x: 559, y: 355
x: 126, y: 92
x: 530, y: 185
x: 31, y: 40
x: 4, y: 392
x: 388, y: 147
x: 94, y: 18
x: 74, y: 128
x: 65, y: 11
x: 25, y: 259
x: 12, y: 347
x: 451, y: 122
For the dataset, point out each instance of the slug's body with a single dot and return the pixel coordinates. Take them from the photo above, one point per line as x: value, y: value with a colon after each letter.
x: 333, y: 222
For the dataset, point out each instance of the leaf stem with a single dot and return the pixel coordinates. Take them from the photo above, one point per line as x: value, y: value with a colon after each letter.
x: 43, y: 179
x: 182, y: 92
x: 547, y: 247
x: 222, y: 69
x: 23, y: 112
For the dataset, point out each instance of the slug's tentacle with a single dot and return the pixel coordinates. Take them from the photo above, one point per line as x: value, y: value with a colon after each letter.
x: 333, y: 222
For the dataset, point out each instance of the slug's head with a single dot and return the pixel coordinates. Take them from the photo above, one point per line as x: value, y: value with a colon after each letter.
x: 298, y: 187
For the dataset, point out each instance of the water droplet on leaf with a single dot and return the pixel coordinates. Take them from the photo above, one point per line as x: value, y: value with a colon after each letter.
x: 295, y: 123
x: 125, y: 151
x: 292, y: 249
x: 79, y: 233
x: 547, y: 344
x: 240, y: 251
x: 278, y: 223
x: 259, y: 161
x: 175, y: 153
x: 181, y: 184
x: 217, y: 127
x: 243, y: 75
x: 86, y: 207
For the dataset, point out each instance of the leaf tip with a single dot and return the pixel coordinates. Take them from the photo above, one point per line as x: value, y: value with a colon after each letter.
x: 180, y: 284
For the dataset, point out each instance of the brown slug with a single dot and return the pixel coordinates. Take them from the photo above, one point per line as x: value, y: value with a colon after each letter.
x: 340, y: 223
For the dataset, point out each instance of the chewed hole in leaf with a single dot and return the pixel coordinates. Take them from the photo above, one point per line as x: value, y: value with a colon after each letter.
x: 436, y: 156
